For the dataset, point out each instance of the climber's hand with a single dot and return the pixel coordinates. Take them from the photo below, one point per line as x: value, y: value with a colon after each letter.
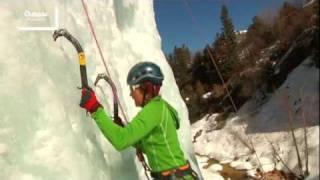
x: 89, y: 100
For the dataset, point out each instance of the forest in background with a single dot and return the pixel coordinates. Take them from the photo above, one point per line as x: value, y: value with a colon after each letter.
x: 248, y: 64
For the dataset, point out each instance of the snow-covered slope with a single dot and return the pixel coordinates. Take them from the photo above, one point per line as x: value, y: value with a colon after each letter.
x: 263, y: 123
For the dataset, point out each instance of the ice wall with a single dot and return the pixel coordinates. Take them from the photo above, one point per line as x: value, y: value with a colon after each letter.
x: 43, y: 132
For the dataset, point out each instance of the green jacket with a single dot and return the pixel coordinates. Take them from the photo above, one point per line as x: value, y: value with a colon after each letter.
x: 153, y: 129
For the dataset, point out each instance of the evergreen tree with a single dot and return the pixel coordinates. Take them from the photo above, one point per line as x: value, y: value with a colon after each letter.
x: 228, y: 28
x: 230, y: 42
x: 203, y: 69
x: 180, y: 61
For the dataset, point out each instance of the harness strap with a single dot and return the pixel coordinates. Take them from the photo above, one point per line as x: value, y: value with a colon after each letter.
x: 143, y: 162
x: 177, y: 172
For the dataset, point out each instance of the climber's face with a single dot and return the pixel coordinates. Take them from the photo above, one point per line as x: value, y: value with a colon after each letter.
x: 137, y: 95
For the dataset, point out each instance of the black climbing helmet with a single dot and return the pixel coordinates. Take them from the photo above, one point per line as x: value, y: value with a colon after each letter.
x: 145, y: 71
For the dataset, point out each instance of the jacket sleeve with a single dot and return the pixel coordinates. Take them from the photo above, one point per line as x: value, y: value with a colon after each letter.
x: 123, y: 137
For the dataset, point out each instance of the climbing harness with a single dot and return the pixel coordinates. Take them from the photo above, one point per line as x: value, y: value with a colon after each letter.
x: 179, y: 172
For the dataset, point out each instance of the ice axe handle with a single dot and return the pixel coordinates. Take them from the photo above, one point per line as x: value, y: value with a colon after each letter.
x: 117, y: 119
x: 82, y: 58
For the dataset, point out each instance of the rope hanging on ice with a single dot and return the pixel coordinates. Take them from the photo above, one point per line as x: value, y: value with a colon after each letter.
x: 100, y: 52
x: 138, y: 152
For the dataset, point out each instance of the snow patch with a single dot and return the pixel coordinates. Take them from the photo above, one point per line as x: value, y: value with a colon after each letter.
x: 215, y: 167
x: 241, y: 165
x: 266, y: 128
x: 206, y: 95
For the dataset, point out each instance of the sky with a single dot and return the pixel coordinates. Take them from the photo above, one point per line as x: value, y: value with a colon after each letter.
x: 196, y: 22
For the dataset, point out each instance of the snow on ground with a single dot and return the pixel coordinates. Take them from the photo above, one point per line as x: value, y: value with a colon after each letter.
x: 264, y: 123
x: 206, y: 95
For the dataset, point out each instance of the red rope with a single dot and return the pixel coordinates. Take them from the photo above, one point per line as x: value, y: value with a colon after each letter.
x: 101, y: 54
x: 139, y: 153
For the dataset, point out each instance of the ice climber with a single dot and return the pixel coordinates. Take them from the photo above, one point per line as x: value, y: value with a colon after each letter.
x: 153, y: 129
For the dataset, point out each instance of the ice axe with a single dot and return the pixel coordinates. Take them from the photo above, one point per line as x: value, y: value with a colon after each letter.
x: 82, y: 58
x: 100, y: 76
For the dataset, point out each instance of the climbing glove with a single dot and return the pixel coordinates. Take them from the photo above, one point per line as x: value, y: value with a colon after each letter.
x: 89, y: 100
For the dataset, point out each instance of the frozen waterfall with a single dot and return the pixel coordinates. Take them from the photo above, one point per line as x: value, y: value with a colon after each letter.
x: 43, y: 132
